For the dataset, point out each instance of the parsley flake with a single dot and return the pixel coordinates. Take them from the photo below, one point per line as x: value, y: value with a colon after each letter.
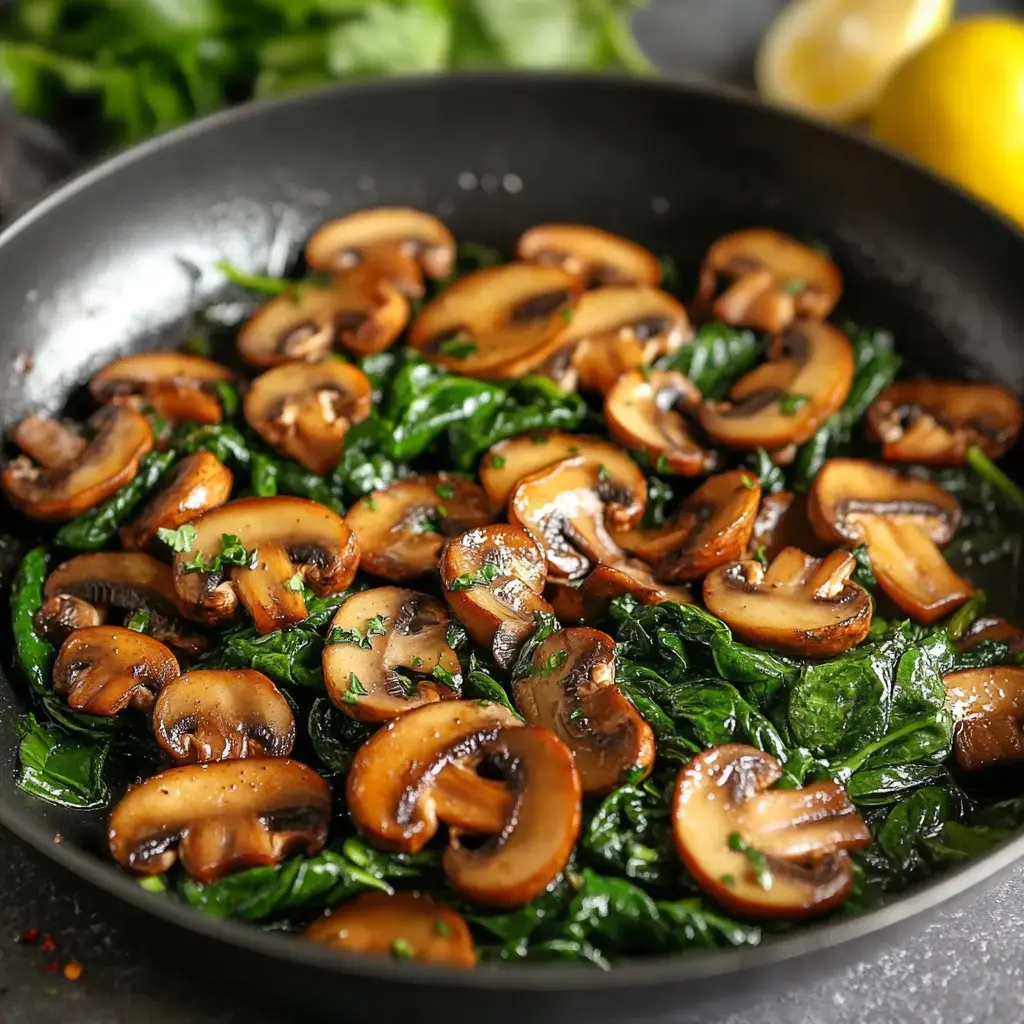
x: 179, y: 540
x: 790, y: 405
x: 355, y: 690
x: 554, y: 662
x: 457, y: 348
x: 446, y: 491
x: 401, y: 950
x: 498, y: 461
x: 295, y: 583
x: 443, y: 928
x: 362, y: 638
x: 483, y: 577
x: 758, y: 860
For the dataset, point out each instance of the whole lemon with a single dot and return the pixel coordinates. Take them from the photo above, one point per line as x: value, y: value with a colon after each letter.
x: 958, y: 106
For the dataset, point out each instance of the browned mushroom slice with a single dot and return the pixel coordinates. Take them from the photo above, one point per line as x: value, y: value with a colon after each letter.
x: 401, y: 530
x: 783, y: 401
x: 395, y: 243
x: 120, y: 438
x: 362, y: 313
x: 588, y: 601
x: 935, y: 422
x: 403, y: 925
x: 387, y: 653
x: 761, y: 852
x: 47, y: 441
x: 995, y: 629
x: 988, y: 709
x: 782, y: 522
x: 650, y: 412
x: 712, y: 526
x: 262, y: 552
x: 798, y: 605
x: 221, y: 817
x: 594, y: 256
x: 770, y: 280
x: 304, y: 410
x: 104, y: 670
x: 196, y: 484
x: 175, y: 385
x: 397, y: 785
x: 497, y: 323
x: 59, y: 616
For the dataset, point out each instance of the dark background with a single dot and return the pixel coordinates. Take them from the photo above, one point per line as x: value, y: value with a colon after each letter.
x: 965, y: 967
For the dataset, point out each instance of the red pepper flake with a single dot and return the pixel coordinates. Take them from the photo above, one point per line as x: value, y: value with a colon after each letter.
x: 52, y: 967
x: 48, y: 945
x: 30, y: 935
x: 72, y: 970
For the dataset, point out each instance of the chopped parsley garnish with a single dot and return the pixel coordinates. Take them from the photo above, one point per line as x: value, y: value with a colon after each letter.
x: 355, y: 690
x: 758, y: 860
x: 554, y: 662
x: 794, y: 286
x: 401, y: 950
x: 663, y: 463
x: 747, y: 482
x: 446, y: 491
x: 566, y: 313
x: 483, y: 577
x: 233, y: 552
x: 360, y: 637
x: 575, y: 714
x: 417, y: 660
x: 498, y: 461
x: 295, y: 583
x: 458, y: 348
x: 729, y: 880
x: 370, y: 504
x: 139, y: 621
x: 790, y: 405
x: 603, y: 472
x: 198, y: 345
x: 228, y: 398
x: 179, y: 540
x: 443, y: 928
x: 441, y: 674
x: 761, y: 555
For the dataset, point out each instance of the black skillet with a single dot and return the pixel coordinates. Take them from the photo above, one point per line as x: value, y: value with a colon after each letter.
x: 116, y: 259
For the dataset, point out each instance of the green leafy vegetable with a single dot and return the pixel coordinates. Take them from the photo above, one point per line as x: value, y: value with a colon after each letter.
x: 35, y: 656
x: 62, y: 768
x: 716, y: 358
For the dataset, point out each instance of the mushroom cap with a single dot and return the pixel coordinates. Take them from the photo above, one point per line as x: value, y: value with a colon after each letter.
x: 222, y: 715
x: 783, y: 401
x: 402, y: 529
x: 723, y: 808
x: 529, y: 853
x: 782, y: 522
x: 988, y: 709
x: 104, y: 669
x: 108, y: 461
x: 196, y: 484
x: 362, y: 313
x: 493, y: 578
x: 935, y: 422
x: 588, y: 601
x: 593, y: 256
x: 59, y: 616
x: 374, y: 922
x: 48, y: 441
x: 396, y: 243
x: 570, y: 690
x: 799, y: 605
x: 649, y: 412
x: 378, y: 632
x: 497, y: 323
x: 128, y: 580
x: 304, y: 410
x: 221, y: 817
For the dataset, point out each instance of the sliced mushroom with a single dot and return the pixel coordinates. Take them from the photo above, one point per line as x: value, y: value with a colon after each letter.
x: 712, y: 526
x: 401, y: 530
x: 770, y: 280
x: 198, y: 483
x: 588, y: 600
x: 761, y: 852
x: 175, y: 385
x: 493, y: 578
x: 59, y: 616
x: 120, y: 438
x: 304, y: 410
x: 988, y: 709
x: 798, y: 605
x: 650, y: 413
x: 497, y: 323
x: 387, y: 653
x: 593, y: 256
x: 782, y: 522
x: 221, y: 817
x: 534, y: 846
x: 935, y: 422
x: 221, y: 715
x: 395, y: 243
x: 104, y: 669
x: 290, y: 543
x: 362, y: 313
x: 783, y: 401
x: 408, y: 774
x: 403, y: 925
x: 995, y: 629
x: 49, y: 442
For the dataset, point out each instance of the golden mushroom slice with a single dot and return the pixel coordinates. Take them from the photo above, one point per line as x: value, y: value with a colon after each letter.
x: 304, y: 410
x: 387, y: 653
x: 782, y: 522
x: 47, y: 441
x: 570, y: 690
x: 798, y: 605
x: 770, y: 280
x: 783, y: 401
x: 357, y: 311
x: 995, y: 629
x: 175, y: 385
x: 988, y: 709
x: 497, y: 323
x: 221, y: 817
x: 403, y: 925
x: 395, y: 243
x: 221, y: 715
x: 198, y: 483
x: 935, y: 422
x: 593, y: 256
x: 651, y: 412
x: 493, y: 578
x: 262, y: 553
x: 401, y: 530
x: 588, y: 600
x: 105, y: 669
x: 764, y: 852
x: 77, y: 479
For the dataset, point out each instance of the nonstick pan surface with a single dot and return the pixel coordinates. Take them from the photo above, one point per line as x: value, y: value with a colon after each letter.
x: 118, y: 259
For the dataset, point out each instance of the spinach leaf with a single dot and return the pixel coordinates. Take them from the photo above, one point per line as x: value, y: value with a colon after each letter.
x: 483, y: 686
x: 62, y: 768
x: 35, y: 656
x: 909, y: 824
x: 222, y: 439
x: 335, y: 736
x: 716, y: 358
x: 270, y: 476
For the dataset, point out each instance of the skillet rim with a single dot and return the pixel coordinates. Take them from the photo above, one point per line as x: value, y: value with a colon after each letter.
x: 665, y: 969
